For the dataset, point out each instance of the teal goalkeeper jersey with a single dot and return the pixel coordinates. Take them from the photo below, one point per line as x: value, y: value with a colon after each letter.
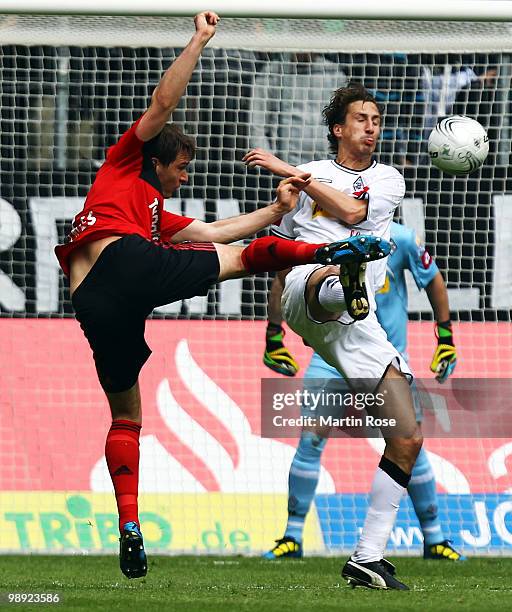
x: 408, y: 253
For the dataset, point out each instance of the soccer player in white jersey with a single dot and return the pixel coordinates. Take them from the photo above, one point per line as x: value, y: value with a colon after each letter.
x: 333, y: 308
x: 408, y: 253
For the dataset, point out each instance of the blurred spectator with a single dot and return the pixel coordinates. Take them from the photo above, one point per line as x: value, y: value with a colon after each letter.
x: 458, y: 88
x: 441, y: 86
x: 443, y: 83
x: 287, y: 103
x: 397, y: 88
x: 479, y: 100
x: 477, y: 97
x: 395, y: 81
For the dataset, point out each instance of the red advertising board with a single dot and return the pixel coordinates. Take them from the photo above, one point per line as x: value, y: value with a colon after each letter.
x: 201, y: 407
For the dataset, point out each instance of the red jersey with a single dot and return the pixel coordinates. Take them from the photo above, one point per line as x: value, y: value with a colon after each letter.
x: 125, y: 198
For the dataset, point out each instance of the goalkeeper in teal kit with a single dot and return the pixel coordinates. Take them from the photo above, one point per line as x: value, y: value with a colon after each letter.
x: 408, y: 253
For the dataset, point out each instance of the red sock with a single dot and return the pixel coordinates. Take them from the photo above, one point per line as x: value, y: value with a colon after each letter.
x: 270, y: 254
x: 122, y: 454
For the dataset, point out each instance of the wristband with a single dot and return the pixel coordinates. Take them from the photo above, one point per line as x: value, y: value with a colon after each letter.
x: 444, y: 333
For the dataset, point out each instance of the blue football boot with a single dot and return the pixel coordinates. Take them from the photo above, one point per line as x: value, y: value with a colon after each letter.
x: 356, y: 249
x: 352, y: 256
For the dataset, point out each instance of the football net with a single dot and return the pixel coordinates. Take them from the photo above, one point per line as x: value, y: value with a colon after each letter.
x: 69, y: 86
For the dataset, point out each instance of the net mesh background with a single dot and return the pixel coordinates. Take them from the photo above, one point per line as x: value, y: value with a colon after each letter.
x: 70, y: 86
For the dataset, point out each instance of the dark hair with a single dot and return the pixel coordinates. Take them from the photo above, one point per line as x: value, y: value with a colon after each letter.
x: 336, y: 111
x: 169, y: 143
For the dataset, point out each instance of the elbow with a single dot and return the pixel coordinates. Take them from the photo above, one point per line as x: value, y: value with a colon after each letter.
x: 354, y: 217
x: 161, y: 102
x: 355, y: 213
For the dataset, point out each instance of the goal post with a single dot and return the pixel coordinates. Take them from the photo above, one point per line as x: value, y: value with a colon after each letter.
x: 71, y: 81
x: 436, y: 10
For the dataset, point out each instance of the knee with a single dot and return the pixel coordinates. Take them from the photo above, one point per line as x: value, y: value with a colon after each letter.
x: 313, y: 288
x: 403, y: 451
x: 412, y: 446
x: 233, y: 261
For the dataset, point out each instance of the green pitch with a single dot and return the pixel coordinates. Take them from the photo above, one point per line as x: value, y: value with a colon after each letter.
x: 232, y: 583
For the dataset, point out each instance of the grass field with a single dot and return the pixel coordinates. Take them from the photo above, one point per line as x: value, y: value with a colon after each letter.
x: 234, y: 583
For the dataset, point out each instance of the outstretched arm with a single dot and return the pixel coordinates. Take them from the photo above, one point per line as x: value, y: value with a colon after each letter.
x: 173, y: 83
x: 243, y: 226
x: 338, y: 204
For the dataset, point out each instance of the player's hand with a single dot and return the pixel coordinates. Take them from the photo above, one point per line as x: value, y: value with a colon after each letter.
x: 281, y: 361
x: 445, y: 357
x: 288, y: 190
x: 277, y: 357
x: 264, y: 159
x: 206, y: 23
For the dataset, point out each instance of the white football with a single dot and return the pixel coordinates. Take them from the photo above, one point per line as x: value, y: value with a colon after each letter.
x: 458, y: 145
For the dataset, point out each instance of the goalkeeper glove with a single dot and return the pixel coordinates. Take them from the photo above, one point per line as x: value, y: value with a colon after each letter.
x: 277, y: 357
x: 445, y: 357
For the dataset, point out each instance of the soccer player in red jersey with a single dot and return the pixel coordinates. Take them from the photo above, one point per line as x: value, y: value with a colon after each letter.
x: 123, y: 259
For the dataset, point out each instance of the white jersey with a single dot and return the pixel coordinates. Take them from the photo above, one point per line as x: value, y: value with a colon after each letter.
x: 383, y: 187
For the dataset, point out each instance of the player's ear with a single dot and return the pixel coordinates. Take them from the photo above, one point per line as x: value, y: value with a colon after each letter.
x: 337, y: 129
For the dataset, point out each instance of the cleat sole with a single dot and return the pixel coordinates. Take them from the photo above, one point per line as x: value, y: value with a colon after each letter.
x: 132, y: 557
x: 354, y: 249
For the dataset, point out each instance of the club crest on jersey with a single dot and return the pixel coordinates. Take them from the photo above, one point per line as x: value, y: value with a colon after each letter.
x: 426, y: 259
x: 359, y: 189
x: 423, y: 254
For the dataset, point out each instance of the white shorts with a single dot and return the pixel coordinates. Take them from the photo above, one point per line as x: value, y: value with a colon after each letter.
x: 357, y: 349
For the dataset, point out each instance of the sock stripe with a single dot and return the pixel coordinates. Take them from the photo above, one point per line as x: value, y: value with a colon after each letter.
x: 394, y: 471
x: 435, y: 529
x: 333, y: 279
x: 421, y: 478
x: 296, y: 523
x: 304, y: 473
x: 125, y: 428
x: 126, y: 422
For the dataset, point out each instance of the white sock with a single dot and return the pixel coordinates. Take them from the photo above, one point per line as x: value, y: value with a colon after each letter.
x: 380, y: 518
x: 331, y: 296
